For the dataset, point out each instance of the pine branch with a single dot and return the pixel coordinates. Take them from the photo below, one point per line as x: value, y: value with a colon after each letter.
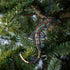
x: 62, y: 49
x: 54, y: 64
x: 8, y: 54
x: 65, y: 15
x: 29, y: 47
x: 55, y: 14
x: 38, y: 12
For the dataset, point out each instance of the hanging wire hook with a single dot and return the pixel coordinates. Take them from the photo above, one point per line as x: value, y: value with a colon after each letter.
x: 49, y: 6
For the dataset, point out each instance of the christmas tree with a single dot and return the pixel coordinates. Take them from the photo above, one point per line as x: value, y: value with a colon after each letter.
x: 34, y: 35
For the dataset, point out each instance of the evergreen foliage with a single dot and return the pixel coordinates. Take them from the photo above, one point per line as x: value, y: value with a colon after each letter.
x: 18, y: 20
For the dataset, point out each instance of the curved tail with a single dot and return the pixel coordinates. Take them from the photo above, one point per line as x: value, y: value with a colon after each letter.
x: 37, y: 58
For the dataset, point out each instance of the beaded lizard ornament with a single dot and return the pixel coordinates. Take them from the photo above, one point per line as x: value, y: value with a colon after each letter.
x: 38, y: 35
